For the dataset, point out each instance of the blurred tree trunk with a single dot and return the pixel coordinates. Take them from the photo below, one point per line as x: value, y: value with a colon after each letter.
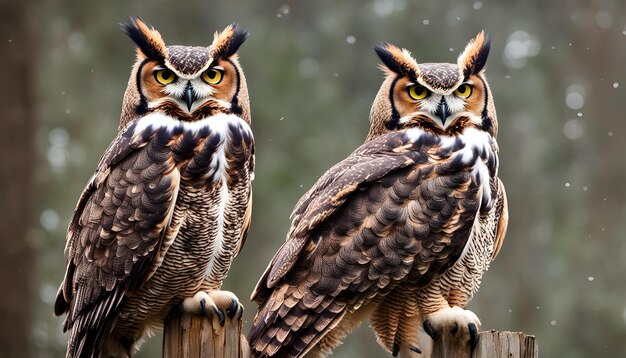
x: 16, y: 162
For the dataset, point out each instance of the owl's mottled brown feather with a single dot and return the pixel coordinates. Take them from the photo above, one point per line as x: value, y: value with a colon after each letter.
x: 399, y: 210
x: 119, y: 230
x: 403, y: 229
x: 126, y: 221
x: 149, y: 41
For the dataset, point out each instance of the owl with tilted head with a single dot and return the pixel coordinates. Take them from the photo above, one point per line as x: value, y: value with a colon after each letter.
x: 402, y: 230
x: 168, y: 208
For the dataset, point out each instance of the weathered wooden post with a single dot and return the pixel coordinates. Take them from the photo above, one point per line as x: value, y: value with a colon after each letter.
x: 491, y: 344
x: 193, y: 336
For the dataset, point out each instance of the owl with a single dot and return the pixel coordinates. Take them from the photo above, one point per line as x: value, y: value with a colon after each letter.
x: 402, y: 230
x: 168, y: 208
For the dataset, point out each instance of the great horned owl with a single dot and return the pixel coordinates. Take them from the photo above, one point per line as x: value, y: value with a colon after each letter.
x: 403, y: 229
x: 168, y: 208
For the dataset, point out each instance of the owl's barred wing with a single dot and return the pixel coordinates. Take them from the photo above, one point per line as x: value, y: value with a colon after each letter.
x: 242, y: 150
x: 366, y: 164
x: 127, y: 218
x: 400, y: 208
x: 119, y: 232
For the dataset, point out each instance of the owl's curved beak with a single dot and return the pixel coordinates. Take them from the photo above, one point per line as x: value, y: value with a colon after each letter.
x: 443, y: 111
x: 189, y: 95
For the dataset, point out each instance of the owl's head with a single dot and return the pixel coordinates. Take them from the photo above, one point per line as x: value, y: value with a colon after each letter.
x: 441, y: 98
x: 185, y: 82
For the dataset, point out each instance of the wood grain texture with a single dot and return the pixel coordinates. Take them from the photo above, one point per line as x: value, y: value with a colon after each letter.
x: 491, y: 344
x: 194, y: 336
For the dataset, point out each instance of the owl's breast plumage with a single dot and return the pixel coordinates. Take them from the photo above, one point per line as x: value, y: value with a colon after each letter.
x: 214, y: 158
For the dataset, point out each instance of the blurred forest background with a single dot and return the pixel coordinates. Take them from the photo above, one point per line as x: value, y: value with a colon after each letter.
x: 556, y: 69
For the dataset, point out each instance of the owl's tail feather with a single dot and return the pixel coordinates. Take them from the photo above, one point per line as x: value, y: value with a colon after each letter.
x: 85, y: 343
x: 288, y: 325
x: 91, y: 326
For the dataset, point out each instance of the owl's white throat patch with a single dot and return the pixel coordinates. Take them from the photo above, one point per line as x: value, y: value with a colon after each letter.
x: 475, y: 141
x: 218, y: 123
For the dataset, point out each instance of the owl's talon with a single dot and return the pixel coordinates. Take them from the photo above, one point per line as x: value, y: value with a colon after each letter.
x: 197, y: 304
x: 428, y: 328
x: 395, y: 350
x: 220, y: 316
x: 415, y: 349
x: 473, y: 331
x: 222, y: 303
x: 454, y: 328
x: 228, y: 303
x: 240, y: 313
x: 233, y: 308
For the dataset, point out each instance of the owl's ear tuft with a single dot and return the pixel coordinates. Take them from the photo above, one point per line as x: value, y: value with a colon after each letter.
x: 474, y: 57
x: 396, y: 60
x: 226, y: 43
x: 149, y: 41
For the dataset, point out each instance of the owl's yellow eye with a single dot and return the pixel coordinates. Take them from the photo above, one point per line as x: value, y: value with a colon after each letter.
x: 463, y: 91
x: 212, y: 76
x: 164, y: 76
x: 418, y: 92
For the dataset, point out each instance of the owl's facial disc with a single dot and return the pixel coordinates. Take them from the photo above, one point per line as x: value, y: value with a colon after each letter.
x: 417, y: 103
x: 440, y: 98
x: 188, y: 92
x: 211, y: 77
x: 218, y: 87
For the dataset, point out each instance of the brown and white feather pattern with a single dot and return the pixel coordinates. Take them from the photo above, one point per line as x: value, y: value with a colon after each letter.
x: 162, y: 217
x: 388, y: 220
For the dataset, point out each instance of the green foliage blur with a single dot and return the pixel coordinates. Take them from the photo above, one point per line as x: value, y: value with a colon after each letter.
x: 556, y: 70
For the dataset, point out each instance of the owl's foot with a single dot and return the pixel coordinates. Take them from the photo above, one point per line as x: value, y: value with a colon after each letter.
x: 214, y: 303
x: 453, y: 325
